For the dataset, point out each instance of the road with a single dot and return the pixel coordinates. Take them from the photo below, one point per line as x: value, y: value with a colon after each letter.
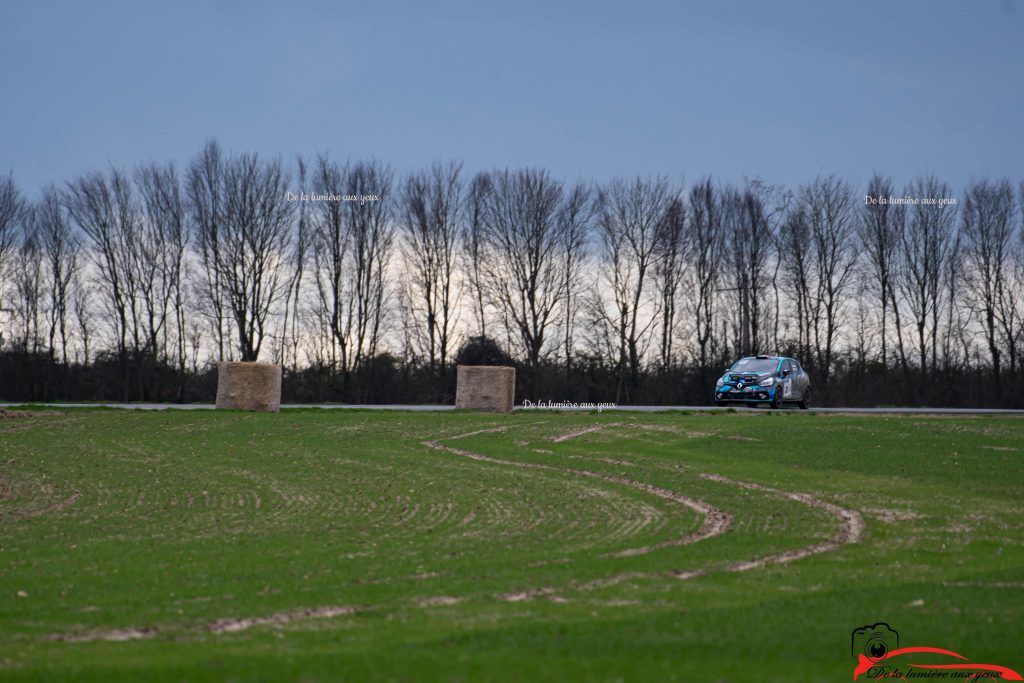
x: 431, y: 408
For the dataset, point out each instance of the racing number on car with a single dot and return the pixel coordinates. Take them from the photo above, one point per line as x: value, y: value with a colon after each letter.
x: 787, y: 388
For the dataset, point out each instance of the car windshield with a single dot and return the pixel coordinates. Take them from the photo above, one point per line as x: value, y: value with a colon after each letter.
x: 755, y: 365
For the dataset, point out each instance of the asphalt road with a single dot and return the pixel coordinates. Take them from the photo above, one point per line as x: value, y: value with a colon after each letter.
x: 428, y: 408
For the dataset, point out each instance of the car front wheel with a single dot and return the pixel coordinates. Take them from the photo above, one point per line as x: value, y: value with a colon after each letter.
x: 777, y: 399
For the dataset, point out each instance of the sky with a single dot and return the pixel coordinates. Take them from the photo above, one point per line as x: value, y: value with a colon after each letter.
x: 784, y: 91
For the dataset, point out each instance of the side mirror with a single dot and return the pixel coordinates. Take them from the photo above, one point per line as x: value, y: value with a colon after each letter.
x: 785, y: 373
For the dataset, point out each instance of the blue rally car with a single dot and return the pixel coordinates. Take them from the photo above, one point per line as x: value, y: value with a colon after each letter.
x: 764, y: 379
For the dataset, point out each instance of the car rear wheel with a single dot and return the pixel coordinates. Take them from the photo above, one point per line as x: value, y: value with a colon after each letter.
x: 805, y: 400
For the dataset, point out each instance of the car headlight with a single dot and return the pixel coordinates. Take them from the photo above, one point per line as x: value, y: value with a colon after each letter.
x: 767, y: 382
x: 721, y: 381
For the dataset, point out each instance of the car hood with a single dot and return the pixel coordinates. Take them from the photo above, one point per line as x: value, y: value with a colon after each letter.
x: 746, y: 376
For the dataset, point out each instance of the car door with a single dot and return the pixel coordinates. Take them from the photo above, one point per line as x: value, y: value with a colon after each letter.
x: 801, y: 381
x: 789, y: 376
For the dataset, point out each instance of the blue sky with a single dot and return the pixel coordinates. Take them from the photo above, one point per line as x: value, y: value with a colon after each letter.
x: 780, y: 90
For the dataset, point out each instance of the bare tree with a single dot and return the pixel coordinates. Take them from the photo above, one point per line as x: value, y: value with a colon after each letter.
x: 369, y: 215
x: 26, y: 296
x: 1014, y: 306
x: 83, y: 314
x: 12, y: 207
x: 431, y: 210
x: 752, y: 221
x: 61, y: 249
x: 473, y: 246
x: 331, y: 240
x: 707, y: 240
x: 988, y: 231
x: 288, y: 349
x: 205, y: 191
x: 12, y: 213
x: 956, y: 335
x: 162, y: 256
x: 828, y: 205
x: 630, y: 218
x: 797, y: 258
x: 244, y: 232
x: 926, y: 245
x: 136, y: 238
x: 352, y: 240
x: 1011, y: 298
x: 669, y: 273
x: 104, y: 208
x: 255, y: 238
x: 523, y: 266
x: 575, y: 217
x: 880, y: 231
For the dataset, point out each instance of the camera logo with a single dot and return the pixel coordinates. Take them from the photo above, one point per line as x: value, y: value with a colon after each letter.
x: 877, y: 652
x: 874, y: 641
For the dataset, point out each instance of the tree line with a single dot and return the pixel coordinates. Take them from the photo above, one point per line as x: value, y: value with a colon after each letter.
x: 367, y: 286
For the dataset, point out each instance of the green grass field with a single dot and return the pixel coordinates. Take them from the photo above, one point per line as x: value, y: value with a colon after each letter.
x: 348, y: 545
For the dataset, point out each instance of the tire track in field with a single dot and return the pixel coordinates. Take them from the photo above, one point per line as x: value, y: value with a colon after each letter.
x: 851, y: 524
x: 217, y: 626
x: 405, y: 514
x: 9, y: 489
x: 714, y: 521
x: 60, y: 505
x: 580, y: 431
x: 572, y: 528
x: 851, y: 528
x: 225, y: 625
